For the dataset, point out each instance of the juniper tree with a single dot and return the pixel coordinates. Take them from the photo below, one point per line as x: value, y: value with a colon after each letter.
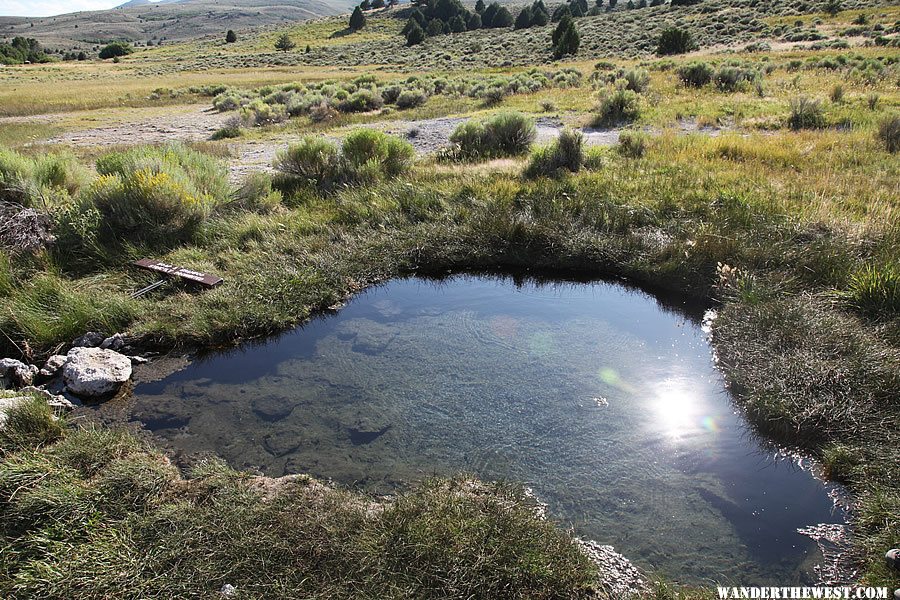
x: 357, y: 19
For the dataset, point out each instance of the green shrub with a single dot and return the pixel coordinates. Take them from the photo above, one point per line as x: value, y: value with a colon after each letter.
x: 227, y: 101
x: 695, y: 74
x: 889, y: 133
x: 202, y: 174
x: 61, y: 171
x: 312, y: 160
x: 365, y: 155
x: 504, y: 134
x: 364, y: 100
x: 148, y: 207
x: 16, y: 175
x: 411, y: 99
x: 260, y: 114
x: 115, y: 50
x: 49, y: 180
x: 674, y: 40
x: 158, y: 196
x: 806, y: 114
x: 566, y: 153
x: 232, y: 129
x: 616, y: 107
x: 730, y: 78
x: 256, y: 194
x: 632, y: 144
x: 391, y: 155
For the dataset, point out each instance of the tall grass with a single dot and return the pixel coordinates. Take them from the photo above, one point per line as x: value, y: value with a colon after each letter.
x: 504, y: 134
x: 98, y: 515
x: 566, y: 153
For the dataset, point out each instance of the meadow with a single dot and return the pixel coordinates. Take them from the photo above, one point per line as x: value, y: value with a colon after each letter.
x: 761, y: 181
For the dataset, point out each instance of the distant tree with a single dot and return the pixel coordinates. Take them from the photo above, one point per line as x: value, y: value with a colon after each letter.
x: 230, y: 37
x: 419, y: 17
x: 378, y: 4
x: 582, y: 4
x: 561, y: 11
x: 642, y: 4
x: 503, y: 18
x: 357, y: 19
x: 457, y: 24
x: 82, y: 55
x: 365, y: 5
x: 435, y: 27
x: 561, y: 28
x: 284, y: 43
x: 308, y: 48
x: 523, y: 21
x: 474, y: 22
x: 833, y: 7
x: 539, y: 17
x: 630, y: 5
x: 488, y: 14
x: 568, y: 42
x: 674, y: 40
x: 115, y: 50
x: 612, y: 3
x: 479, y: 6
x: 416, y: 35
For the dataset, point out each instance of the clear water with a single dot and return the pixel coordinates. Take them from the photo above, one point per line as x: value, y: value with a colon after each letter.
x: 606, y: 403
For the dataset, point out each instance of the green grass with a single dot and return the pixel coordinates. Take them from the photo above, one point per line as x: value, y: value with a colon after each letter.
x: 97, y: 514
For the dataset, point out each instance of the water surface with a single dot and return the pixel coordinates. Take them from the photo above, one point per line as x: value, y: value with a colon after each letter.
x: 606, y: 403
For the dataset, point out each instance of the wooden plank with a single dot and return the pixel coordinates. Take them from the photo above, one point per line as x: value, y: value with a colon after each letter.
x: 204, y: 279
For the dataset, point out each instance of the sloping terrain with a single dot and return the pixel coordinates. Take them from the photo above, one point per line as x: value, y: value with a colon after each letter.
x: 141, y: 22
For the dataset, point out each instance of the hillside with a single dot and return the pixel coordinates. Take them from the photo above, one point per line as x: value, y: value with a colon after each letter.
x: 143, y: 22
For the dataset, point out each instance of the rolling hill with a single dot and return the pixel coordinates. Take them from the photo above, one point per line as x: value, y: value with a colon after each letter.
x: 143, y: 21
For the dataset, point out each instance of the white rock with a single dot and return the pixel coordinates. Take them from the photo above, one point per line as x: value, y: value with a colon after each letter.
x: 93, y: 372
x: 16, y: 373
x: 53, y: 365
x: 54, y: 401
x: 114, y: 342
x: 138, y: 360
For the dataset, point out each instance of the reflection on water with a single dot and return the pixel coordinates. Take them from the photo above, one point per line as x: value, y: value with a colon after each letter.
x: 606, y: 404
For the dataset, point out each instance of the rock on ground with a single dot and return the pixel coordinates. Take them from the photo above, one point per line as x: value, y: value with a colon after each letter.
x: 618, y: 577
x: 53, y: 365
x: 58, y: 403
x: 95, y: 372
x: 91, y: 339
x: 15, y: 373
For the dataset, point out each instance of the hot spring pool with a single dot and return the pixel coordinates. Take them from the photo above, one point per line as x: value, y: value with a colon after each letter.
x: 603, y: 401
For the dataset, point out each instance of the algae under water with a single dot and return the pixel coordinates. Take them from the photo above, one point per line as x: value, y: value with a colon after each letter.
x: 600, y: 398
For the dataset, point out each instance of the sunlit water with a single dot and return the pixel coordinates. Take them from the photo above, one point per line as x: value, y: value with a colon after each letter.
x: 604, y: 402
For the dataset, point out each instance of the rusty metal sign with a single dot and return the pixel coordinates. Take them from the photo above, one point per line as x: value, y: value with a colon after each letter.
x: 204, y: 279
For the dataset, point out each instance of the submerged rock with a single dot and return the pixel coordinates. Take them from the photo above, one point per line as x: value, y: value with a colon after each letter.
x: 15, y: 373
x: 95, y: 372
